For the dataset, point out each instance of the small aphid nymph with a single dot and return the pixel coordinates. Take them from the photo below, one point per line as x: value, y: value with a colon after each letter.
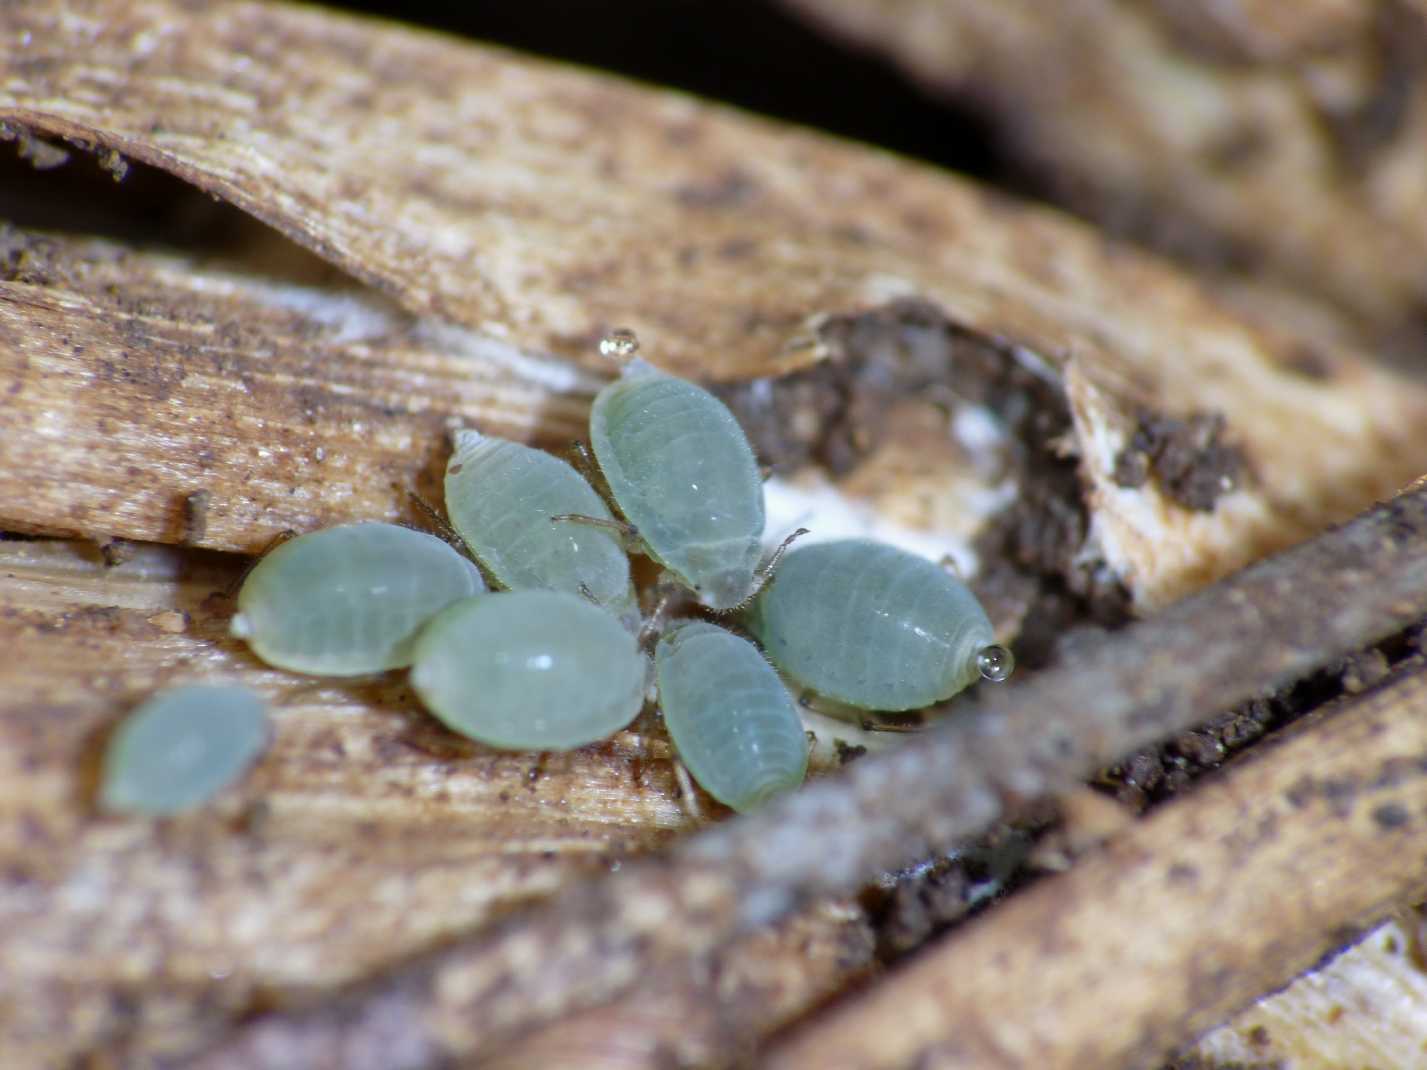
x: 180, y: 748
x: 349, y: 600
x: 530, y: 670
x: 872, y: 626
x: 681, y: 471
x: 501, y: 496
x: 732, y: 720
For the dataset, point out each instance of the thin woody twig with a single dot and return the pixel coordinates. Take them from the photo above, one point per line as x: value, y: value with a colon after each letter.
x: 1255, y: 631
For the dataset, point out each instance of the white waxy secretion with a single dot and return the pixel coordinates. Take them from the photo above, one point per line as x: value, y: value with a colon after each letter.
x: 182, y: 747
x: 875, y: 627
x: 530, y: 670
x: 349, y: 600
x: 731, y: 718
x: 501, y: 496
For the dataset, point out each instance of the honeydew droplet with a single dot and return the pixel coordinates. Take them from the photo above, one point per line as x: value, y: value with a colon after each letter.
x: 620, y: 344
x: 995, y: 663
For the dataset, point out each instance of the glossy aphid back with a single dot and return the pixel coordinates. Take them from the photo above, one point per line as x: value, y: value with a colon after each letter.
x: 682, y: 472
x: 530, y: 670
x: 500, y: 496
x: 349, y: 600
x: 180, y: 748
x: 731, y: 718
x: 873, y: 626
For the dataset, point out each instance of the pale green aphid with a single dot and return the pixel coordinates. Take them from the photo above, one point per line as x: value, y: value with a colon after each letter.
x: 180, y: 748
x: 501, y: 495
x: 875, y: 627
x: 530, y: 670
x: 681, y: 471
x: 349, y: 600
x: 731, y: 719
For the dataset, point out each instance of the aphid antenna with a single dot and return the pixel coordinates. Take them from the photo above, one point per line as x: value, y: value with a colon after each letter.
x: 688, y: 797
x: 666, y: 593
x: 231, y: 591
x: 439, y: 526
x: 628, y: 534
x: 949, y: 563
x: 870, y: 724
x: 763, y: 574
x: 584, y: 460
x: 442, y: 529
x: 585, y: 463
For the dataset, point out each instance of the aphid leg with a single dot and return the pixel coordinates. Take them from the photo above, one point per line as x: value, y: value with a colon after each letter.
x: 231, y: 591
x: 949, y: 563
x: 628, y: 534
x: 439, y: 525
x: 871, y: 724
x: 688, y: 798
x: 666, y: 592
x: 764, y: 572
x: 584, y: 461
x: 765, y: 472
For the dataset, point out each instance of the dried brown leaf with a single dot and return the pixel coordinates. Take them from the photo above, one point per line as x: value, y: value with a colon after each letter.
x: 1284, y: 145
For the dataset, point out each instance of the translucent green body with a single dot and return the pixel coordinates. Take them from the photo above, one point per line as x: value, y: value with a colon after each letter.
x: 501, y: 495
x: 870, y: 625
x: 349, y: 600
x: 180, y: 748
x: 530, y: 670
x: 681, y: 471
x: 731, y: 718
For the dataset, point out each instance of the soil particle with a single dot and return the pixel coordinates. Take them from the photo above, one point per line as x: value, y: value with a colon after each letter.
x: 916, y: 908
x: 1187, y: 457
x: 1159, y: 773
x: 1391, y: 816
x: 1361, y: 671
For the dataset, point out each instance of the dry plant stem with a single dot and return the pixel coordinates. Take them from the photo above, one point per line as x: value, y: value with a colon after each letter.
x: 1179, y: 922
x: 1257, y: 630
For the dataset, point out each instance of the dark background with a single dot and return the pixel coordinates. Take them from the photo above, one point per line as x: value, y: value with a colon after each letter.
x: 750, y: 53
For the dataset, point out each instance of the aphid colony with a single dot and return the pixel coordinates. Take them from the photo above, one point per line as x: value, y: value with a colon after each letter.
x: 554, y: 657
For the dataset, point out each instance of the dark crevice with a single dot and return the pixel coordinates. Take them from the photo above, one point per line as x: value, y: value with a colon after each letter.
x: 99, y: 195
x: 1156, y: 774
x: 748, y: 53
x: 836, y: 414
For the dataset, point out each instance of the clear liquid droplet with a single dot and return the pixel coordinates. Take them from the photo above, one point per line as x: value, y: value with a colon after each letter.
x: 995, y: 663
x: 620, y: 344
